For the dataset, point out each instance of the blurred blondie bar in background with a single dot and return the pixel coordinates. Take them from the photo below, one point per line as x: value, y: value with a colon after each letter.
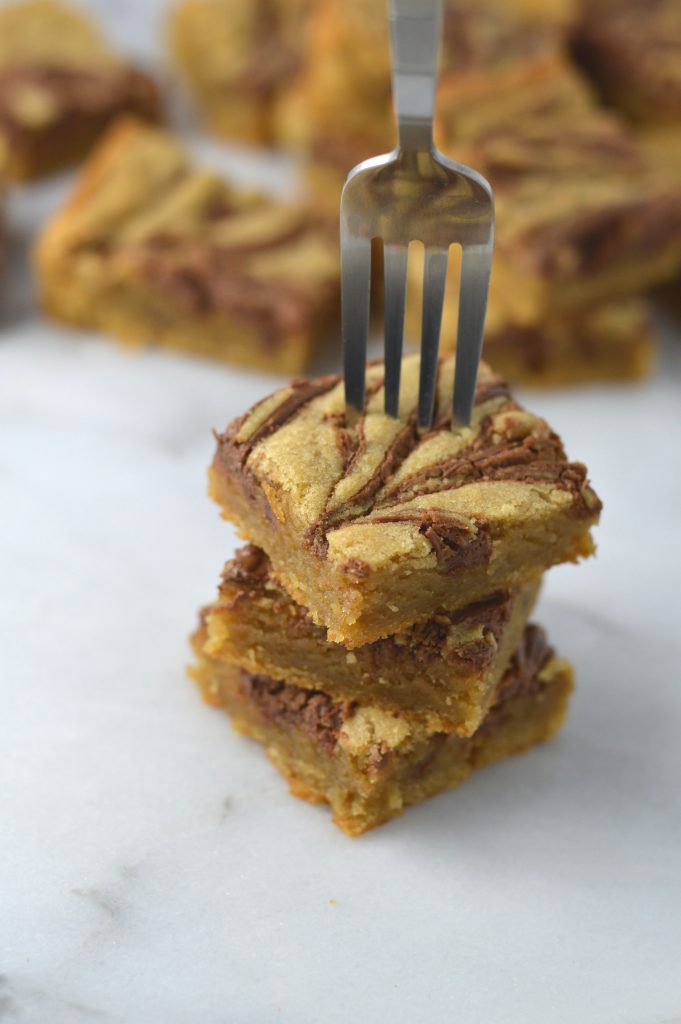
x: 588, y: 213
x: 238, y: 58
x: 151, y: 247
x: 61, y: 84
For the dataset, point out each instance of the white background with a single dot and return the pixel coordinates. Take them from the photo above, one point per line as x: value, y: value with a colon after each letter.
x: 152, y: 867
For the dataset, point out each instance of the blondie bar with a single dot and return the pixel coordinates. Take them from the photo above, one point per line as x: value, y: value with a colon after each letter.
x: 60, y: 85
x: 614, y: 342
x: 442, y: 672
x: 373, y: 526
x: 338, y: 109
x: 663, y: 145
x: 583, y: 215
x: 237, y: 56
x: 632, y: 49
x: 152, y: 248
x: 3, y: 217
x: 586, y: 217
x: 369, y: 764
x: 341, y: 95
x: 610, y: 342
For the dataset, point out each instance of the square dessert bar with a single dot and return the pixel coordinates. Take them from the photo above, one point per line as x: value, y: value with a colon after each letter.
x: 237, y: 55
x: 341, y: 93
x: 613, y: 341
x: 3, y: 217
x: 587, y: 215
x: 373, y: 526
x: 150, y: 248
x: 584, y: 216
x: 369, y: 764
x: 663, y: 144
x: 60, y: 85
x: 338, y: 109
x: 498, y: 57
x: 442, y: 672
x: 632, y: 49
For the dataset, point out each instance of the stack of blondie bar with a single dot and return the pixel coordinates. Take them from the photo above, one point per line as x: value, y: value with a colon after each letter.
x: 373, y: 634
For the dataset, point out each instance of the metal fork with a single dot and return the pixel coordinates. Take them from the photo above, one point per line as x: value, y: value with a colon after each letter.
x: 415, y: 193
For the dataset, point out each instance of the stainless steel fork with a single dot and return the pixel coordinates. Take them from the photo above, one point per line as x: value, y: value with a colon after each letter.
x: 415, y: 193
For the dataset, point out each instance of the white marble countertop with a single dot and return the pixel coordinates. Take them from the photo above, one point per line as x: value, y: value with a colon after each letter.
x: 152, y: 867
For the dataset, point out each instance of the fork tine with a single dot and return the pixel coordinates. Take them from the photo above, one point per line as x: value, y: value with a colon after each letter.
x: 395, y: 276
x: 476, y: 266
x: 355, y: 296
x: 435, y: 273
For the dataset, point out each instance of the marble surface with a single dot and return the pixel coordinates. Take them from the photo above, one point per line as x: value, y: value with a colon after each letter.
x: 152, y: 867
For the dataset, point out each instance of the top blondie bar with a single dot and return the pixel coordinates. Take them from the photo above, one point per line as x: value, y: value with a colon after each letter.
x: 373, y: 526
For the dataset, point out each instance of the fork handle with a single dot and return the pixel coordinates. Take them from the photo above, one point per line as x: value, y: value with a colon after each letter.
x: 415, y: 37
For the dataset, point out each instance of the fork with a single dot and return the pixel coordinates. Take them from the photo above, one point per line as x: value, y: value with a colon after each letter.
x: 415, y: 193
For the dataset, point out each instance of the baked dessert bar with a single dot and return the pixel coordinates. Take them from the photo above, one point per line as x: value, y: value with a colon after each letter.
x: 151, y: 248
x: 237, y: 56
x: 610, y: 342
x: 583, y: 215
x: 632, y: 49
x: 586, y: 217
x: 501, y: 57
x: 663, y: 144
x: 3, y: 218
x: 372, y: 526
x: 60, y: 85
x: 342, y: 89
x: 338, y: 109
x: 614, y: 342
x: 442, y: 672
x: 368, y: 764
